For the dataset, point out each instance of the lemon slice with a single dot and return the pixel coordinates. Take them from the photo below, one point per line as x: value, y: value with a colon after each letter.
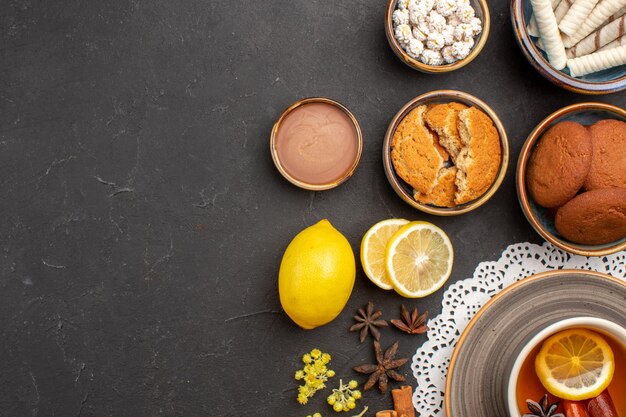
x: 575, y: 364
x: 373, y: 248
x: 418, y: 259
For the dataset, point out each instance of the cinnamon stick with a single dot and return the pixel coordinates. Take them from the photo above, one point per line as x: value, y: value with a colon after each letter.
x: 601, y: 406
x: 574, y: 408
x: 403, y: 401
x: 387, y: 413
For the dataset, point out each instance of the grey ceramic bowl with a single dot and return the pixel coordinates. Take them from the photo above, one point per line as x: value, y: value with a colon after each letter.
x: 542, y: 219
x: 485, y: 353
x: 603, y: 82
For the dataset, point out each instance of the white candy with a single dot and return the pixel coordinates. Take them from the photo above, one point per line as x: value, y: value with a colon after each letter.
x: 400, y: 17
x: 402, y: 4
x: 403, y: 34
x: 448, y: 55
x: 446, y: 7
x: 476, y: 25
x: 430, y: 57
x: 419, y: 8
x: 436, y: 41
x: 465, y: 13
x: 436, y: 21
x: 416, y: 16
x: 415, y: 48
x: 453, y: 20
x: 421, y: 31
x: 461, y: 3
x: 429, y: 4
x: 461, y: 50
x: 448, y: 35
x: 463, y: 32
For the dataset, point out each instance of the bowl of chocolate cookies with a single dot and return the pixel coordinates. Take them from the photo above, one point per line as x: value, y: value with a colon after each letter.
x: 571, y: 179
x: 445, y: 152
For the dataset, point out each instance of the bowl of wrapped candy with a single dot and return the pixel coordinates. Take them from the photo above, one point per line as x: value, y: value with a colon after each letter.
x: 436, y: 36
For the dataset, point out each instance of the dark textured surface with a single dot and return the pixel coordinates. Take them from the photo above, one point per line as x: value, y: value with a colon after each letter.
x: 142, y: 220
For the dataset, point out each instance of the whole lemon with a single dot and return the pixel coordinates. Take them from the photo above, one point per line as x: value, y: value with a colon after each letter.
x: 316, y: 275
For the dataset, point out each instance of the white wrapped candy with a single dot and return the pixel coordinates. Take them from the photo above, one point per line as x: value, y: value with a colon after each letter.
x: 448, y: 55
x: 445, y: 7
x: 465, y: 13
x: 416, y: 16
x: 436, y: 41
x: 461, y: 50
x: 421, y: 31
x: 453, y: 20
x: 463, y: 32
x: 436, y: 22
x: 476, y: 25
x: 415, y: 48
x: 448, y: 35
x: 419, y: 8
x: 430, y: 57
x: 403, y: 4
x: 400, y: 17
x: 404, y: 34
x: 430, y: 4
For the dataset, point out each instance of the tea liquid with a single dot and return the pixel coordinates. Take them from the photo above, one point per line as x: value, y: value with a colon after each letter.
x: 529, y: 386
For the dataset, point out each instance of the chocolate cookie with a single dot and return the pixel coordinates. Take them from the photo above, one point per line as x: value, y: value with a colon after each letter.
x: 608, y: 163
x: 594, y: 217
x: 559, y: 165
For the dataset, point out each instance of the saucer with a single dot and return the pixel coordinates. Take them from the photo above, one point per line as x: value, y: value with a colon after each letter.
x: 484, y: 355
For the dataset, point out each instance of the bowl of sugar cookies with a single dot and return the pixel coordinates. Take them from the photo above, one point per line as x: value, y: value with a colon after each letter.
x: 579, y: 45
x: 445, y: 152
x: 571, y: 179
x: 436, y: 36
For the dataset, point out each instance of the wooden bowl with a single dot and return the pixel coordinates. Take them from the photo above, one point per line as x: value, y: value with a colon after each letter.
x: 603, y: 82
x: 539, y: 217
x: 404, y: 190
x: 482, y: 12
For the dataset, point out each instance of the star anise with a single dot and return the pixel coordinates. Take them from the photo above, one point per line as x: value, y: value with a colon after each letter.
x: 413, y: 323
x: 384, y: 370
x: 367, y: 322
x: 542, y: 408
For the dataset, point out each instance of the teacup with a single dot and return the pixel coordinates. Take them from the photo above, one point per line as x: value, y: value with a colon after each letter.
x: 613, y: 332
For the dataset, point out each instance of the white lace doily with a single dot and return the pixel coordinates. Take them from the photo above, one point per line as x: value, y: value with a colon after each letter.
x: 464, y: 298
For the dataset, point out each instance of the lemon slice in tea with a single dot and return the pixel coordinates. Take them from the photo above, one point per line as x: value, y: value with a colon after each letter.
x: 575, y: 364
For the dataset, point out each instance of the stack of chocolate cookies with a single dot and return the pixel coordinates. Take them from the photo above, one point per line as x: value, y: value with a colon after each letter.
x: 580, y: 172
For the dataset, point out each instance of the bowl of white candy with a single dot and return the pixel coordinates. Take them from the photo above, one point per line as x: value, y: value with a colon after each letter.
x: 437, y: 35
x: 579, y: 45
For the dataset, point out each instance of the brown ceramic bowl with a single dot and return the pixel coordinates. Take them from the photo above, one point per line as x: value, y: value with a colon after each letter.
x: 306, y: 185
x: 482, y: 12
x: 540, y: 218
x: 603, y: 82
x: 404, y: 190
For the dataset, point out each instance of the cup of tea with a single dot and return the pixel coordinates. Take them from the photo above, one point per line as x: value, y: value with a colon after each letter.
x: 524, y: 384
